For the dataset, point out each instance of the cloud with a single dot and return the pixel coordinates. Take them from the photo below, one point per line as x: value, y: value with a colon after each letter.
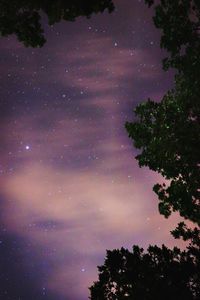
x: 77, y: 190
x: 101, y: 72
x: 80, y: 214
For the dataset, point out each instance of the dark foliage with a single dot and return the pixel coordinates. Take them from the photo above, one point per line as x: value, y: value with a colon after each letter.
x: 160, y: 273
x: 168, y: 133
x: 193, y: 235
x: 23, y: 17
x: 179, y: 21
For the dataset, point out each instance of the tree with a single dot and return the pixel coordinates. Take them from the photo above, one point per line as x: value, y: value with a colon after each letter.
x: 179, y: 21
x: 168, y: 133
x: 160, y: 273
x: 23, y: 17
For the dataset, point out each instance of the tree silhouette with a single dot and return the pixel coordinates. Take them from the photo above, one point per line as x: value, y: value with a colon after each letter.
x: 23, y: 17
x: 160, y: 273
x: 179, y: 21
x: 168, y: 133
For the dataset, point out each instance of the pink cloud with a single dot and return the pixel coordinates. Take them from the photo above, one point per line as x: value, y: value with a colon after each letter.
x: 92, y: 213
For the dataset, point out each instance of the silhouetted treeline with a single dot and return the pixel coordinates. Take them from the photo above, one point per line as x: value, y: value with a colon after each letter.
x: 160, y: 273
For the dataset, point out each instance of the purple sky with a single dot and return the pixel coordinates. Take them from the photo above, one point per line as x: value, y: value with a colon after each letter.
x: 70, y: 186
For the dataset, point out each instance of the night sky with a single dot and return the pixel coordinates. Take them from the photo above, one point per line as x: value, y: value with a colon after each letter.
x: 70, y: 186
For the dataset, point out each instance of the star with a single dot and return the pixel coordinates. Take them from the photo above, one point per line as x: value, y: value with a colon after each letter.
x: 27, y: 147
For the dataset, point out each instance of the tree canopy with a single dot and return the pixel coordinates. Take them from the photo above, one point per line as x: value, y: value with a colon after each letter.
x: 23, y: 17
x: 168, y: 132
x: 160, y: 273
x: 179, y: 21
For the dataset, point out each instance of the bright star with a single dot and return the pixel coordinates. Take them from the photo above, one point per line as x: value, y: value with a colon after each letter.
x: 27, y: 147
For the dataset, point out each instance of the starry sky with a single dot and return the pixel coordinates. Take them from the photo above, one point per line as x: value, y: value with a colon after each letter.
x: 70, y: 186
